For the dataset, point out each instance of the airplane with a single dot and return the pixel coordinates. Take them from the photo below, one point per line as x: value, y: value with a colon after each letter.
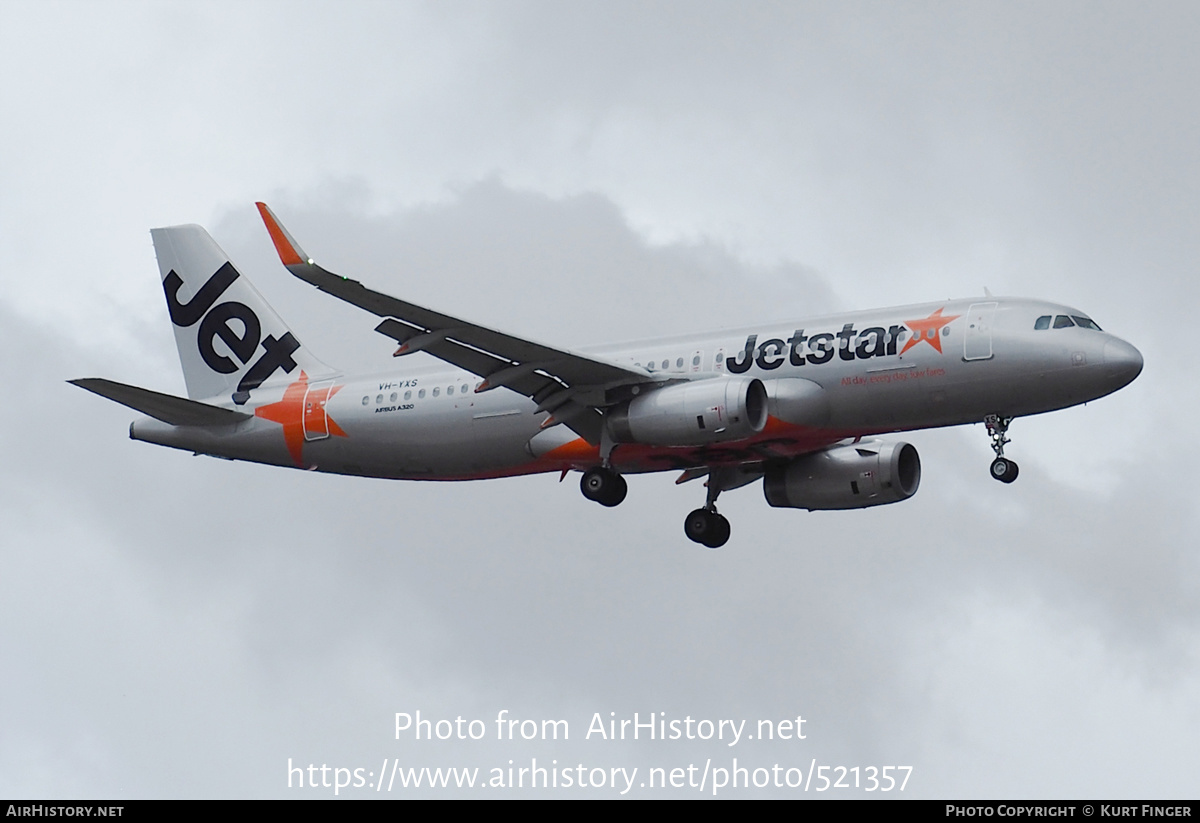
x: 797, y: 406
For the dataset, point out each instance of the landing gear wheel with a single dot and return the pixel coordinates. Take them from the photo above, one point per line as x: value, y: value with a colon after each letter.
x: 706, y: 528
x: 721, y: 533
x: 604, y: 486
x: 1004, y: 470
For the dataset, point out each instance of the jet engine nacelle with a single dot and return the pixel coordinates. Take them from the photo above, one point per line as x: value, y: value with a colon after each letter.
x: 846, y: 477
x: 692, y: 414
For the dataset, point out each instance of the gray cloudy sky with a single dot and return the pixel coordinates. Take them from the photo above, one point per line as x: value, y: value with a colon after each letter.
x: 583, y: 172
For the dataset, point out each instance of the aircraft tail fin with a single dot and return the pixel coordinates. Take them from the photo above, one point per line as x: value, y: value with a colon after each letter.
x: 230, y: 340
x: 175, y: 411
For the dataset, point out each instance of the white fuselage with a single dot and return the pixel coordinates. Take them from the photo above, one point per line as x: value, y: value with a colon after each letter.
x: 937, y: 364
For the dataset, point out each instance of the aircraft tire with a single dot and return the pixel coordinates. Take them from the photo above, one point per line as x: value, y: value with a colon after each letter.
x: 706, y: 528
x: 720, y: 535
x: 616, y: 492
x: 1004, y: 470
x: 604, y: 486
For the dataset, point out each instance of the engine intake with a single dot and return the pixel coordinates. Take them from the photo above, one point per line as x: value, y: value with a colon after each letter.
x: 846, y: 477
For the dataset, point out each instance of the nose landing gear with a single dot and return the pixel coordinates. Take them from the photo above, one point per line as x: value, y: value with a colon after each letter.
x: 1003, y: 469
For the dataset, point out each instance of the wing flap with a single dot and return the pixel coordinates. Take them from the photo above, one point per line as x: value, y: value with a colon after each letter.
x: 175, y: 411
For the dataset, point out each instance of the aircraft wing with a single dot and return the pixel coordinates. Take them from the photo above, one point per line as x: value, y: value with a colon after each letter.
x: 573, y: 387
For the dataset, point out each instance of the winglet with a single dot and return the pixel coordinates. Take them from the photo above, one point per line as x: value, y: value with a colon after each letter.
x: 289, y: 250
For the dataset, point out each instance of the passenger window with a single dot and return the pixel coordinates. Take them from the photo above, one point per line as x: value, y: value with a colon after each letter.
x: 679, y: 363
x: 421, y: 393
x: 696, y: 360
x: 408, y: 395
x: 393, y: 400
x: 666, y: 364
x: 436, y: 391
x: 379, y: 398
x: 1062, y: 322
x: 464, y: 388
x: 1042, y: 323
x: 449, y: 390
x: 366, y: 400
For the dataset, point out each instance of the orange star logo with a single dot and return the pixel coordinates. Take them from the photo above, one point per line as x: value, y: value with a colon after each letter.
x: 929, y: 330
x: 302, y: 414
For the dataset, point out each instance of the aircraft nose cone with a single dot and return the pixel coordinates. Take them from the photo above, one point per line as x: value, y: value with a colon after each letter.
x: 1122, y: 361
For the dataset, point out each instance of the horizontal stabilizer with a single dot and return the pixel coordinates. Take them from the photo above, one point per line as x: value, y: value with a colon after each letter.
x: 175, y: 411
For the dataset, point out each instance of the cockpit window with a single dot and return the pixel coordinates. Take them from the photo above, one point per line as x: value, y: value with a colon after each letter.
x: 1042, y: 323
x: 1085, y: 323
x: 1062, y: 322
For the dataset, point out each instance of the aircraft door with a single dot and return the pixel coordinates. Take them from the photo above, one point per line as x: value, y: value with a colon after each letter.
x: 977, y: 343
x: 316, y: 418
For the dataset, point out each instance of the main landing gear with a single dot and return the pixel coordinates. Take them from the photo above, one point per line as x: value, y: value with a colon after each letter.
x: 1003, y: 469
x: 604, y: 486
x: 705, y: 526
